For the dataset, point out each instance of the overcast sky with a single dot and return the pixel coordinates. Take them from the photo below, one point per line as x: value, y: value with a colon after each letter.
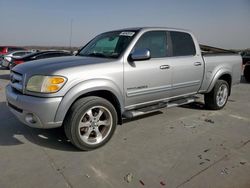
x: 221, y: 23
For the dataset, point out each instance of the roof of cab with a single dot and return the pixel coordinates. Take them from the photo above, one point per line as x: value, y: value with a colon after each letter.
x: 153, y: 28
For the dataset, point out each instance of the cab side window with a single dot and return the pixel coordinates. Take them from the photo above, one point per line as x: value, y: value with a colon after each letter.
x: 155, y: 41
x: 182, y: 44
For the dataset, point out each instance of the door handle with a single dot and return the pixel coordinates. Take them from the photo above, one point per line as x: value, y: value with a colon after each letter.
x: 197, y: 64
x: 164, y: 67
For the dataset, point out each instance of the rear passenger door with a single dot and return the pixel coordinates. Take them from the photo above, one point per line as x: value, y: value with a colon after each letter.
x: 187, y: 65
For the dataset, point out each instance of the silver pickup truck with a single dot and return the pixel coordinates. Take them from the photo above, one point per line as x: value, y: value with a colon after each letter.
x: 119, y: 74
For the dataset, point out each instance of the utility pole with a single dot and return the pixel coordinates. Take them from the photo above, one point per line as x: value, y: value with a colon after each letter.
x: 70, y: 37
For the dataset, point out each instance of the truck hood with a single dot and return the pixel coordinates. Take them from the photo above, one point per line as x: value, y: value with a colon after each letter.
x: 51, y: 65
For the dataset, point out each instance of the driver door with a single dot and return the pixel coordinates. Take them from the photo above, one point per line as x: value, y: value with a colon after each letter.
x: 148, y: 81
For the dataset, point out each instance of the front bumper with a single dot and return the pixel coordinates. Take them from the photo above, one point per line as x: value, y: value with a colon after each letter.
x: 33, y: 111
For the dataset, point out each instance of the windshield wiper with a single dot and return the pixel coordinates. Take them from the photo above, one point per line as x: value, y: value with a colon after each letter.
x: 96, y: 55
x: 99, y: 55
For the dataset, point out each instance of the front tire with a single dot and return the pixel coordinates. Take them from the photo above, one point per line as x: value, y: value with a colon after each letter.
x: 217, y: 98
x: 90, y: 123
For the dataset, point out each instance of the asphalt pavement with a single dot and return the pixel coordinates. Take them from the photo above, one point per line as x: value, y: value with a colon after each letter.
x: 185, y: 147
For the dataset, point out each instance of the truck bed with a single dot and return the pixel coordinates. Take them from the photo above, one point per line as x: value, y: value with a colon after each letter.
x: 209, y: 50
x: 217, y: 59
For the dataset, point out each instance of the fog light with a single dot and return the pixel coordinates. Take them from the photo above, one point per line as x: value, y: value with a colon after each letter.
x: 30, y: 118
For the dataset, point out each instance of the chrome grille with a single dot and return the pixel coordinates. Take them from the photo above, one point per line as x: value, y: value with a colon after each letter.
x: 16, y: 81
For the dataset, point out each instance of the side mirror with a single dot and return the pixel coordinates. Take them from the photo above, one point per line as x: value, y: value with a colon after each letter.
x: 140, y: 54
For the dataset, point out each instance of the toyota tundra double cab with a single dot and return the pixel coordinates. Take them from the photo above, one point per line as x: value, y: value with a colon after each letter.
x: 119, y: 74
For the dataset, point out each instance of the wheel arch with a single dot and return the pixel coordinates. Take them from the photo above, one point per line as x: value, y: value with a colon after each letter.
x: 108, y: 95
x: 102, y: 88
x: 225, y: 75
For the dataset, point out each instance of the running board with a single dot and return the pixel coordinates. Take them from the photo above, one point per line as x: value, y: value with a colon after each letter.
x: 157, y: 107
x: 180, y: 102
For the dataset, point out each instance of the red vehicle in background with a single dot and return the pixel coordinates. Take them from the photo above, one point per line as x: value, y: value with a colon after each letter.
x: 7, y: 49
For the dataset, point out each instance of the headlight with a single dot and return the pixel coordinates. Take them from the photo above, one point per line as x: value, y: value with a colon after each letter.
x: 45, y: 84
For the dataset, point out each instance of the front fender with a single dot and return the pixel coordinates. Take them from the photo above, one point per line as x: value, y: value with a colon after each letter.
x: 86, y: 87
x: 217, y: 75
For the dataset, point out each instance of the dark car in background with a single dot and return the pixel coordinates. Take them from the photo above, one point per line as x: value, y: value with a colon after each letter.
x: 245, y: 57
x: 246, y: 64
x: 37, y: 56
x: 247, y: 72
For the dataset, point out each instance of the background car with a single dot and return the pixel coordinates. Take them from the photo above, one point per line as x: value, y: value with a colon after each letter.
x: 247, y: 71
x: 245, y: 57
x: 246, y: 64
x: 6, y: 59
x: 7, y: 49
x: 37, y: 56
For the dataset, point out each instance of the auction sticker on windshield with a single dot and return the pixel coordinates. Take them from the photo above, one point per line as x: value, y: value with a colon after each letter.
x: 127, y: 33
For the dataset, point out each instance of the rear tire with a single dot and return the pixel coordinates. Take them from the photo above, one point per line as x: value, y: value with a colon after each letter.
x: 247, y: 72
x: 217, y: 98
x: 90, y: 123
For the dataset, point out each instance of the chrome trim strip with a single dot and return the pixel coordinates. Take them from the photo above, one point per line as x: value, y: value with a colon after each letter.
x: 138, y: 92
x: 16, y: 86
x: 186, y: 84
x: 16, y: 81
x: 17, y: 77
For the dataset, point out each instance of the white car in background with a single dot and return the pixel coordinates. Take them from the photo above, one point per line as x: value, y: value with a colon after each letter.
x: 5, y: 61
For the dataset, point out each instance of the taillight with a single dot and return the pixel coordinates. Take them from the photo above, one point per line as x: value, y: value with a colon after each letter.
x: 18, y: 62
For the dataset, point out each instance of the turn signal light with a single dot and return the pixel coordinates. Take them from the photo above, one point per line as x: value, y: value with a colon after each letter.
x: 56, y: 80
x: 52, y: 88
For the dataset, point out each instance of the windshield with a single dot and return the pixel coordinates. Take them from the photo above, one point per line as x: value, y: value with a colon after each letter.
x: 108, y: 45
